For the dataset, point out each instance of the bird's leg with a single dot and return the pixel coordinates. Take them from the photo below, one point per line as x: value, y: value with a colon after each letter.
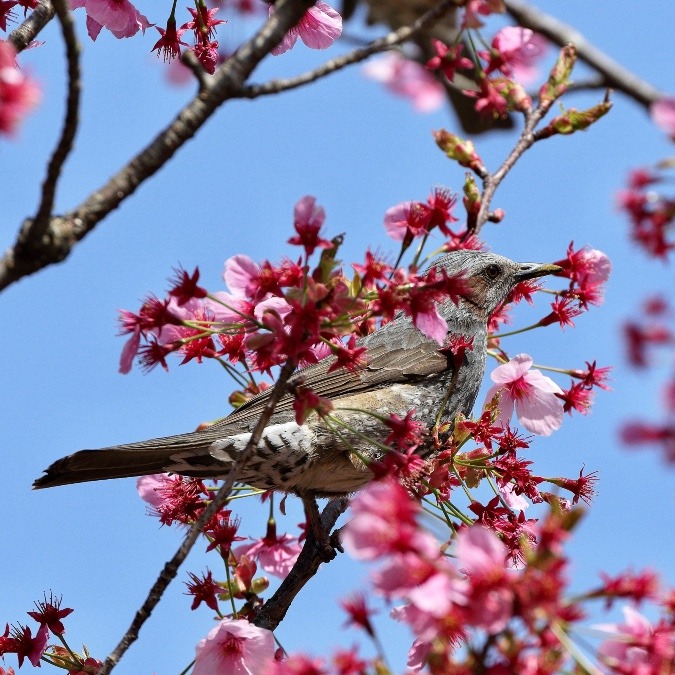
x: 316, y: 528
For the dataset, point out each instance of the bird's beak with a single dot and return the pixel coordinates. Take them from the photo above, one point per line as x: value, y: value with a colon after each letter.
x: 533, y: 270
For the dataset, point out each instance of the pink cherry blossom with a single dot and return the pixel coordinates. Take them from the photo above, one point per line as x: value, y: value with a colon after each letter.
x: 663, y: 114
x: 236, y: 647
x: 532, y: 394
x: 276, y: 554
x: 636, y: 646
x: 383, y: 521
x: 519, y: 49
x: 18, y: 93
x: 120, y: 17
x: 318, y: 29
x: 408, y: 79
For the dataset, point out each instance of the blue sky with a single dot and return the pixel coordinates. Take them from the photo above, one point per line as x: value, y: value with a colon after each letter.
x: 231, y: 190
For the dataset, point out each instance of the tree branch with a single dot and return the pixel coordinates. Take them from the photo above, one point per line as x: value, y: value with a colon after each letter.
x: 615, y: 75
x: 34, y: 231
x: 381, y: 44
x: 306, y: 566
x: 168, y: 574
x: 65, y: 231
x: 24, y: 34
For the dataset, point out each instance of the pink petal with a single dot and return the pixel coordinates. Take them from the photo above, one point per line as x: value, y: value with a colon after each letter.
x: 511, y: 371
x: 479, y: 551
x: 239, y: 271
x: 663, y: 114
x: 320, y: 26
x: 432, y: 324
x: 540, y: 412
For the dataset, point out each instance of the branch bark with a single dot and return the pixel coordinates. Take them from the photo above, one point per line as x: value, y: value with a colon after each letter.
x: 615, y: 76
x: 306, y: 566
x: 168, y: 574
x: 63, y: 232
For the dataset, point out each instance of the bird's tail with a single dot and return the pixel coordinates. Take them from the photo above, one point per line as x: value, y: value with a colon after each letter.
x: 158, y: 455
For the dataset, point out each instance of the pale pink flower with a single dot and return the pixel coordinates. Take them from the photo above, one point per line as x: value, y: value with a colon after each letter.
x: 276, y: 554
x: 628, y: 647
x: 149, y: 488
x: 18, y: 92
x: 662, y: 113
x: 513, y: 501
x: 397, y: 220
x: 236, y: 647
x: 488, y: 599
x: 384, y: 521
x: 519, y: 49
x: 120, y: 17
x: 479, y: 551
x: 532, y: 394
x: 240, y: 275
x: 408, y: 79
x: 318, y: 29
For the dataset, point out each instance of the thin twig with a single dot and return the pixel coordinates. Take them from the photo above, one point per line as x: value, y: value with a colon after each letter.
x: 394, y: 38
x: 66, y: 231
x: 274, y: 610
x: 171, y: 567
x: 24, y: 34
x: 34, y: 231
x: 615, y: 75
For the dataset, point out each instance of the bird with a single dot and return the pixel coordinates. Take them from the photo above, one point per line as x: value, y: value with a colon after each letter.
x: 404, y: 371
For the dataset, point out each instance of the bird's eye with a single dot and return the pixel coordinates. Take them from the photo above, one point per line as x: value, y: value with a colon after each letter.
x: 492, y: 271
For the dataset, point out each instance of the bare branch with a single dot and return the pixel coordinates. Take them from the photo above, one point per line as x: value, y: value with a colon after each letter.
x: 381, y: 44
x: 614, y: 75
x: 34, y: 231
x: 306, y: 566
x: 168, y: 574
x: 64, y: 232
x: 24, y: 34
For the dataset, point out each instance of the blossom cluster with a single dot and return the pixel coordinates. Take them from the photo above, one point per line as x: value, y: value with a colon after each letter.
x: 273, y: 313
x: 652, y: 332
x: 651, y: 213
x: 318, y: 28
x: 499, y: 73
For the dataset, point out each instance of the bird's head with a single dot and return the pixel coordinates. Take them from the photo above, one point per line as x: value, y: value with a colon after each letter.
x: 491, y: 277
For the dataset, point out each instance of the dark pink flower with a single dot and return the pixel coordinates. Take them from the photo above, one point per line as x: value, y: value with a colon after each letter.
x: 236, y: 647
x: 318, y: 29
x: 448, y: 59
x: 308, y: 218
x: 18, y: 93
x: 408, y: 79
x: 50, y: 614
x: 532, y: 394
x: 170, y: 41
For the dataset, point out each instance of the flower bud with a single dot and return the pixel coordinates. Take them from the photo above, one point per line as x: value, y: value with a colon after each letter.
x: 557, y: 82
x: 461, y: 151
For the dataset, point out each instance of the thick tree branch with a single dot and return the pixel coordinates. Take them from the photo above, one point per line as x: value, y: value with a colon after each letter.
x: 24, y: 34
x: 615, y: 75
x: 170, y: 570
x: 381, y: 44
x: 306, y: 566
x: 64, y: 232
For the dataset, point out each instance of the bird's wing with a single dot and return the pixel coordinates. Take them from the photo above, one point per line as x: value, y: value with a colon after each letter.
x: 395, y: 354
